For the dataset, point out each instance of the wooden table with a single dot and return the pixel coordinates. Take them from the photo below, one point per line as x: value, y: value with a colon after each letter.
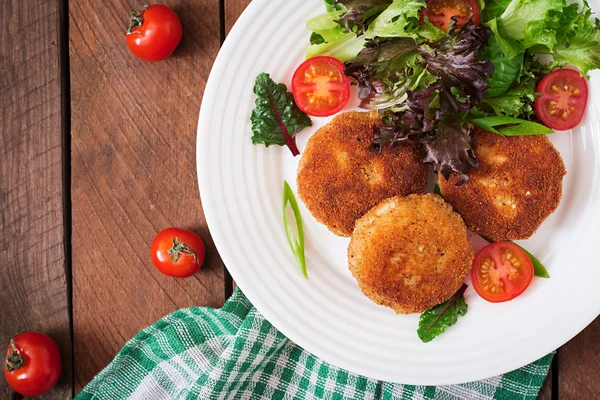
x: 97, y: 155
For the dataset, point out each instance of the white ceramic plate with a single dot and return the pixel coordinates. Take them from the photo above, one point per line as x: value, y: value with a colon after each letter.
x: 242, y: 186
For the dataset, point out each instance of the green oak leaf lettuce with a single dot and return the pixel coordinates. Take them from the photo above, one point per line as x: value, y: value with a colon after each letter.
x: 276, y: 119
x: 436, y: 320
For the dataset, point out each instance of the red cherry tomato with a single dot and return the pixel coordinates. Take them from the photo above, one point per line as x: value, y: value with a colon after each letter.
x: 32, y: 365
x: 178, y: 253
x: 440, y: 12
x: 501, y: 271
x: 320, y: 86
x: 564, y: 99
x: 154, y: 33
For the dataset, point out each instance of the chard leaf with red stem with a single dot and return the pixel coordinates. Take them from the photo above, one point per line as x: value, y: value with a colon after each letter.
x: 276, y: 119
x: 436, y: 320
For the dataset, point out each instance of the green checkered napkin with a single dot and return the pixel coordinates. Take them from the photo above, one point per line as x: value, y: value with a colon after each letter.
x: 235, y: 353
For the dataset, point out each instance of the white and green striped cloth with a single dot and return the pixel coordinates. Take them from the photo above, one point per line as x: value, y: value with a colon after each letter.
x: 235, y: 353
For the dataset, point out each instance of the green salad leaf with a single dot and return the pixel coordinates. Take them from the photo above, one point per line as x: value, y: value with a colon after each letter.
x: 494, y: 8
x: 509, y: 126
x: 517, y: 102
x: 326, y: 26
x: 509, y: 46
x: 276, y: 119
x: 345, y: 48
x: 521, y: 13
x: 506, y: 71
x: 401, y: 18
x: 538, y: 268
x: 578, y: 41
x: 436, y: 320
x: 296, y: 241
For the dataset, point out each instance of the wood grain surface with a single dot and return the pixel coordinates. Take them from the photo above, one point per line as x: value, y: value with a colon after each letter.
x: 233, y: 10
x: 33, y: 283
x: 133, y: 174
x: 579, y: 366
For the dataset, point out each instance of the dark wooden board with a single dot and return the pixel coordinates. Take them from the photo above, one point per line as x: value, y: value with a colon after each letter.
x: 233, y: 10
x: 133, y: 174
x: 33, y: 282
x: 579, y: 361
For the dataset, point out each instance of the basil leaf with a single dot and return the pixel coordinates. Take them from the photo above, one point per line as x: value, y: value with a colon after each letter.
x: 296, y: 242
x: 436, y: 320
x: 276, y: 119
x: 538, y: 268
x: 509, y: 126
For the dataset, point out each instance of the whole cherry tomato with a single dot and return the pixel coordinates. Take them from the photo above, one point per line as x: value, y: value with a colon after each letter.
x: 32, y: 365
x: 154, y: 32
x: 178, y: 253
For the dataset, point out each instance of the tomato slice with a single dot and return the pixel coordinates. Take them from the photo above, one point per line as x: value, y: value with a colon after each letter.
x: 564, y: 99
x: 440, y: 12
x: 320, y: 86
x: 501, y: 271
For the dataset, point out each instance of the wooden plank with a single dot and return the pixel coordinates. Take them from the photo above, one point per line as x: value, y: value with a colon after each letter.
x: 579, y: 361
x: 33, y: 283
x: 133, y: 174
x: 233, y: 9
x: 546, y: 390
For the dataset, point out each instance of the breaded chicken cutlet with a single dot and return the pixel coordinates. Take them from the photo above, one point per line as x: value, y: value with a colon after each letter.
x: 340, y: 177
x: 517, y: 186
x: 410, y: 253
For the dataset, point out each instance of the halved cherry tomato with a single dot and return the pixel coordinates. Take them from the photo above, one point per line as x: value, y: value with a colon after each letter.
x: 440, y: 12
x: 501, y: 271
x: 32, y: 365
x: 320, y: 86
x: 178, y: 253
x: 154, y: 32
x: 564, y: 99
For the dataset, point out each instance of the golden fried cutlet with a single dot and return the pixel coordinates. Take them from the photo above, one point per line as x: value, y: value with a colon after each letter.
x: 340, y: 178
x: 410, y: 253
x: 517, y: 186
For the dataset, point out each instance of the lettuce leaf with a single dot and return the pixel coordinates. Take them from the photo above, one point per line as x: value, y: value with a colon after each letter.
x: 384, y: 71
x: 578, y: 41
x: 344, y: 49
x: 517, y: 102
x: 520, y: 13
x: 449, y: 150
x: 453, y: 59
x: 401, y: 18
x: 510, y: 47
x: 326, y: 26
x: 494, y: 8
x: 359, y: 13
x: 506, y: 71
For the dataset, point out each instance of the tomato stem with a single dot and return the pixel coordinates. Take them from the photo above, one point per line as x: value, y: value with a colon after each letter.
x: 180, y: 248
x: 14, y: 360
x: 135, y: 19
